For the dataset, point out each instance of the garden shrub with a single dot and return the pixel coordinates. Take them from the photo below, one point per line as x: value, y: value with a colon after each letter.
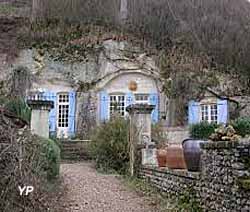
x: 242, y: 126
x: 202, y: 130
x: 19, y: 107
x: 26, y: 159
x: 109, y: 146
x: 52, y: 155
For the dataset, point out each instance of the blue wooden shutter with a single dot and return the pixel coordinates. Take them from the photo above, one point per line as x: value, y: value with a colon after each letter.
x: 193, y: 112
x: 129, y: 99
x: 72, y: 107
x: 51, y: 96
x: 222, y: 111
x: 104, y: 103
x: 154, y: 100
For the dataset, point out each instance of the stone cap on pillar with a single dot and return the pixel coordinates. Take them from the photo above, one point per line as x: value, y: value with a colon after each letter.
x: 40, y: 104
x: 140, y: 109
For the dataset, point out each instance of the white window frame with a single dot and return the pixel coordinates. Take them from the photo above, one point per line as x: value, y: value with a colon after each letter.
x: 144, y: 100
x: 212, y: 113
x: 122, y: 107
x: 64, y: 125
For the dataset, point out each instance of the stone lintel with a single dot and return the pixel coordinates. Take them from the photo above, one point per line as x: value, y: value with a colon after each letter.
x: 140, y: 109
x: 40, y: 104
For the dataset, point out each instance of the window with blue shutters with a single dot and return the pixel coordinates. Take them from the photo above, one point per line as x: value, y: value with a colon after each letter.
x: 216, y: 112
x: 154, y: 100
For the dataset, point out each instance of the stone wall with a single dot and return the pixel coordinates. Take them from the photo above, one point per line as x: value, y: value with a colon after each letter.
x: 176, y: 135
x: 222, y: 168
x: 86, y: 113
x: 219, y: 184
x: 174, y: 182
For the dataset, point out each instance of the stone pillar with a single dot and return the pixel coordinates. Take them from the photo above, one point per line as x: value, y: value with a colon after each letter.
x: 140, y: 118
x: 140, y: 135
x: 40, y: 116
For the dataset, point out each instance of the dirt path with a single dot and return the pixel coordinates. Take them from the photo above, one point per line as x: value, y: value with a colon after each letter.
x: 89, y: 191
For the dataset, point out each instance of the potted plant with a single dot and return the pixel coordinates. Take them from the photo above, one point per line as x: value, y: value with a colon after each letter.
x: 160, y: 138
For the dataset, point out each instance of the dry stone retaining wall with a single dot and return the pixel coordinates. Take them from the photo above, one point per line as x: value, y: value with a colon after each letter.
x: 218, y: 186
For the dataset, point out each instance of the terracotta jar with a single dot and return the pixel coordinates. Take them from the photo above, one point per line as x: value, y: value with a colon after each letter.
x: 175, y: 157
x: 192, y: 153
x: 162, y: 157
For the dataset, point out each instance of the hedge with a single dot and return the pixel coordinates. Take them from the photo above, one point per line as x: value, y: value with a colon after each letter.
x: 202, y: 130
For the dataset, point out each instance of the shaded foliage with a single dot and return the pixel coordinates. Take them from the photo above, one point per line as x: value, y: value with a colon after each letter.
x: 202, y: 130
x: 242, y: 126
x: 52, y: 156
x: 109, y: 146
x: 25, y: 160
x: 18, y: 107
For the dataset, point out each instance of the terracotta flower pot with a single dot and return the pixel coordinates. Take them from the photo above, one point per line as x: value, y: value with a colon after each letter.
x: 175, y: 157
x: 162, y: 157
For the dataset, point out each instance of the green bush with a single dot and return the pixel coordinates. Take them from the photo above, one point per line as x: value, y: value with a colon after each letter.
x: 202, y: 130
x: 51, y: 151
x: 242, y: 126
x: 19, y: 107
x: 109, y: 146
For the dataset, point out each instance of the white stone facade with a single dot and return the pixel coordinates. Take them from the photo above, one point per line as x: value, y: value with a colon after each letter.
x: 112, y: 71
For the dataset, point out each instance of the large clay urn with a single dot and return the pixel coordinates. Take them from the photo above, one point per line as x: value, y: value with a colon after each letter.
x: 162, y: 157
x: 192, y: 153
x: 175, y: 157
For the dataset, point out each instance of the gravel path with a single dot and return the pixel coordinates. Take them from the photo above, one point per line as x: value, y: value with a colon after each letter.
x: 89, y: 191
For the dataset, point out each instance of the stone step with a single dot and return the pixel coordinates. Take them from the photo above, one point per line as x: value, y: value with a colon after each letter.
x: 74, y: 150
x: 71, y: 158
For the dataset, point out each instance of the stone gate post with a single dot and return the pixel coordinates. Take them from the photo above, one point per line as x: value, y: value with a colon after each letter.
x: 40, y: 116
x: 140, y: 136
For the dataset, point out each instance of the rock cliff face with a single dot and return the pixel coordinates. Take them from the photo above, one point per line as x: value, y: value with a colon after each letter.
x: 114, y: 58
